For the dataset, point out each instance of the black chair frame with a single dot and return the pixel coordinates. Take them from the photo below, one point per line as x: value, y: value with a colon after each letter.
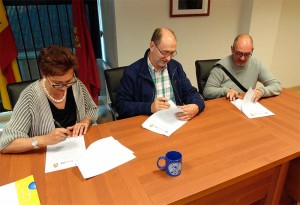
x: 14, y: 90
x: 203, y: 68
x: 113, y: 77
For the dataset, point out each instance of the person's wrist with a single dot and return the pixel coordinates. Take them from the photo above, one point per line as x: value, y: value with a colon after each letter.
x: 261, y: 92
x: 151, y: 107
x: 196, y: 109
x: 228, y: 90
x: 41, y: 140
x: 88, y: 121
x: 35, y: 143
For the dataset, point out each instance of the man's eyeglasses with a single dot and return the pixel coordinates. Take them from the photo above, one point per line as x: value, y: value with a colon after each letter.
x: 240, y: 54
x: 61, y: 85
x: 166, y: 53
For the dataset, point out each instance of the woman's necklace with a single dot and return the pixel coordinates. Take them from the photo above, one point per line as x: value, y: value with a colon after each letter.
x: 52, y: 98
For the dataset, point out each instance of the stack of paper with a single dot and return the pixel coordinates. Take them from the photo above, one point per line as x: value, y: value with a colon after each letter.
x: 164, y: 121
x: 65, y: 154
x: 251, y: 109
x: 23, y: 192
x: 103, y: 155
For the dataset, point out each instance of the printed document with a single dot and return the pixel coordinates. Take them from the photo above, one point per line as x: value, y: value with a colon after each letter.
x: 251, y: 109
x: 64, y: 154
x: 20, y: 192
x: 103, y: 155
x: 164, y: 121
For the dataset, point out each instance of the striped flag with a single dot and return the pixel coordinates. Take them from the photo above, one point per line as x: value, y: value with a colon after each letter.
x: 9, y: 71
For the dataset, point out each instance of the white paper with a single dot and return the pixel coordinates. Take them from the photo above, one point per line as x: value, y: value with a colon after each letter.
x: 251, y: 109
x: 65, y: 154
x: 8, y: 194
x: 164, y: 121
x: 103, y: 155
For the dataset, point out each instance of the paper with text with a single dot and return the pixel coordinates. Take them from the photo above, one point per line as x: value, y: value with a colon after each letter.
x: 65, y: 154
x: 103, y: 155
x: 164, y: 121
x: 251, y: 109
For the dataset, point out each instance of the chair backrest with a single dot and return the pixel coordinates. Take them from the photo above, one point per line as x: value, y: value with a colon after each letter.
x: 14, y: 90
x: 113, y: 77
x: 203, y: 68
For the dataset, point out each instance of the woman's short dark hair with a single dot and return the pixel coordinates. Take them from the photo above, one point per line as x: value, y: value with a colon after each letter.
x: 56, y: 60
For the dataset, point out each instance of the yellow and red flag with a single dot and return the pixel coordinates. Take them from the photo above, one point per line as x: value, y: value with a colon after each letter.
x: 9, y: 71
x: 88, y: 70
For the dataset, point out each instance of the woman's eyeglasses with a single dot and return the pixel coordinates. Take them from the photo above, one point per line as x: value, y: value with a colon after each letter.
x: 61, y: 85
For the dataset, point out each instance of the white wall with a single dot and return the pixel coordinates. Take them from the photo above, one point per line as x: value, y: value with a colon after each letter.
x: 263, y: 28
x: 285, y: 62
x: 204, y: 37
x: 199, y: 37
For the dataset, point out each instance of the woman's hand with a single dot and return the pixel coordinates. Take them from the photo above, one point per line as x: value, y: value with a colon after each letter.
x: 80, y: 128
x: 56, y: 136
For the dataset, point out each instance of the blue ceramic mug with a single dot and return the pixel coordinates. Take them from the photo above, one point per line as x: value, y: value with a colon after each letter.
x: 173, y: 163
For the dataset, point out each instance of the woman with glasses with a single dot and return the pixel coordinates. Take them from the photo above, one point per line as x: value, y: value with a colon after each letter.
x: 245, y: 69
x: 50, y: 109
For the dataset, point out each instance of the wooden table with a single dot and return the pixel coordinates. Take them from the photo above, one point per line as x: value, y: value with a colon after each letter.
x: 227, y: 158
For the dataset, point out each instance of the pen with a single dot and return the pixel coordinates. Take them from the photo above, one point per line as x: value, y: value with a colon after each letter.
x: 57, y: 125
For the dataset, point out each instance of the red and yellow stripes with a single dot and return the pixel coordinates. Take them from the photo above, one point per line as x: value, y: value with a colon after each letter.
x: 9, y: 71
